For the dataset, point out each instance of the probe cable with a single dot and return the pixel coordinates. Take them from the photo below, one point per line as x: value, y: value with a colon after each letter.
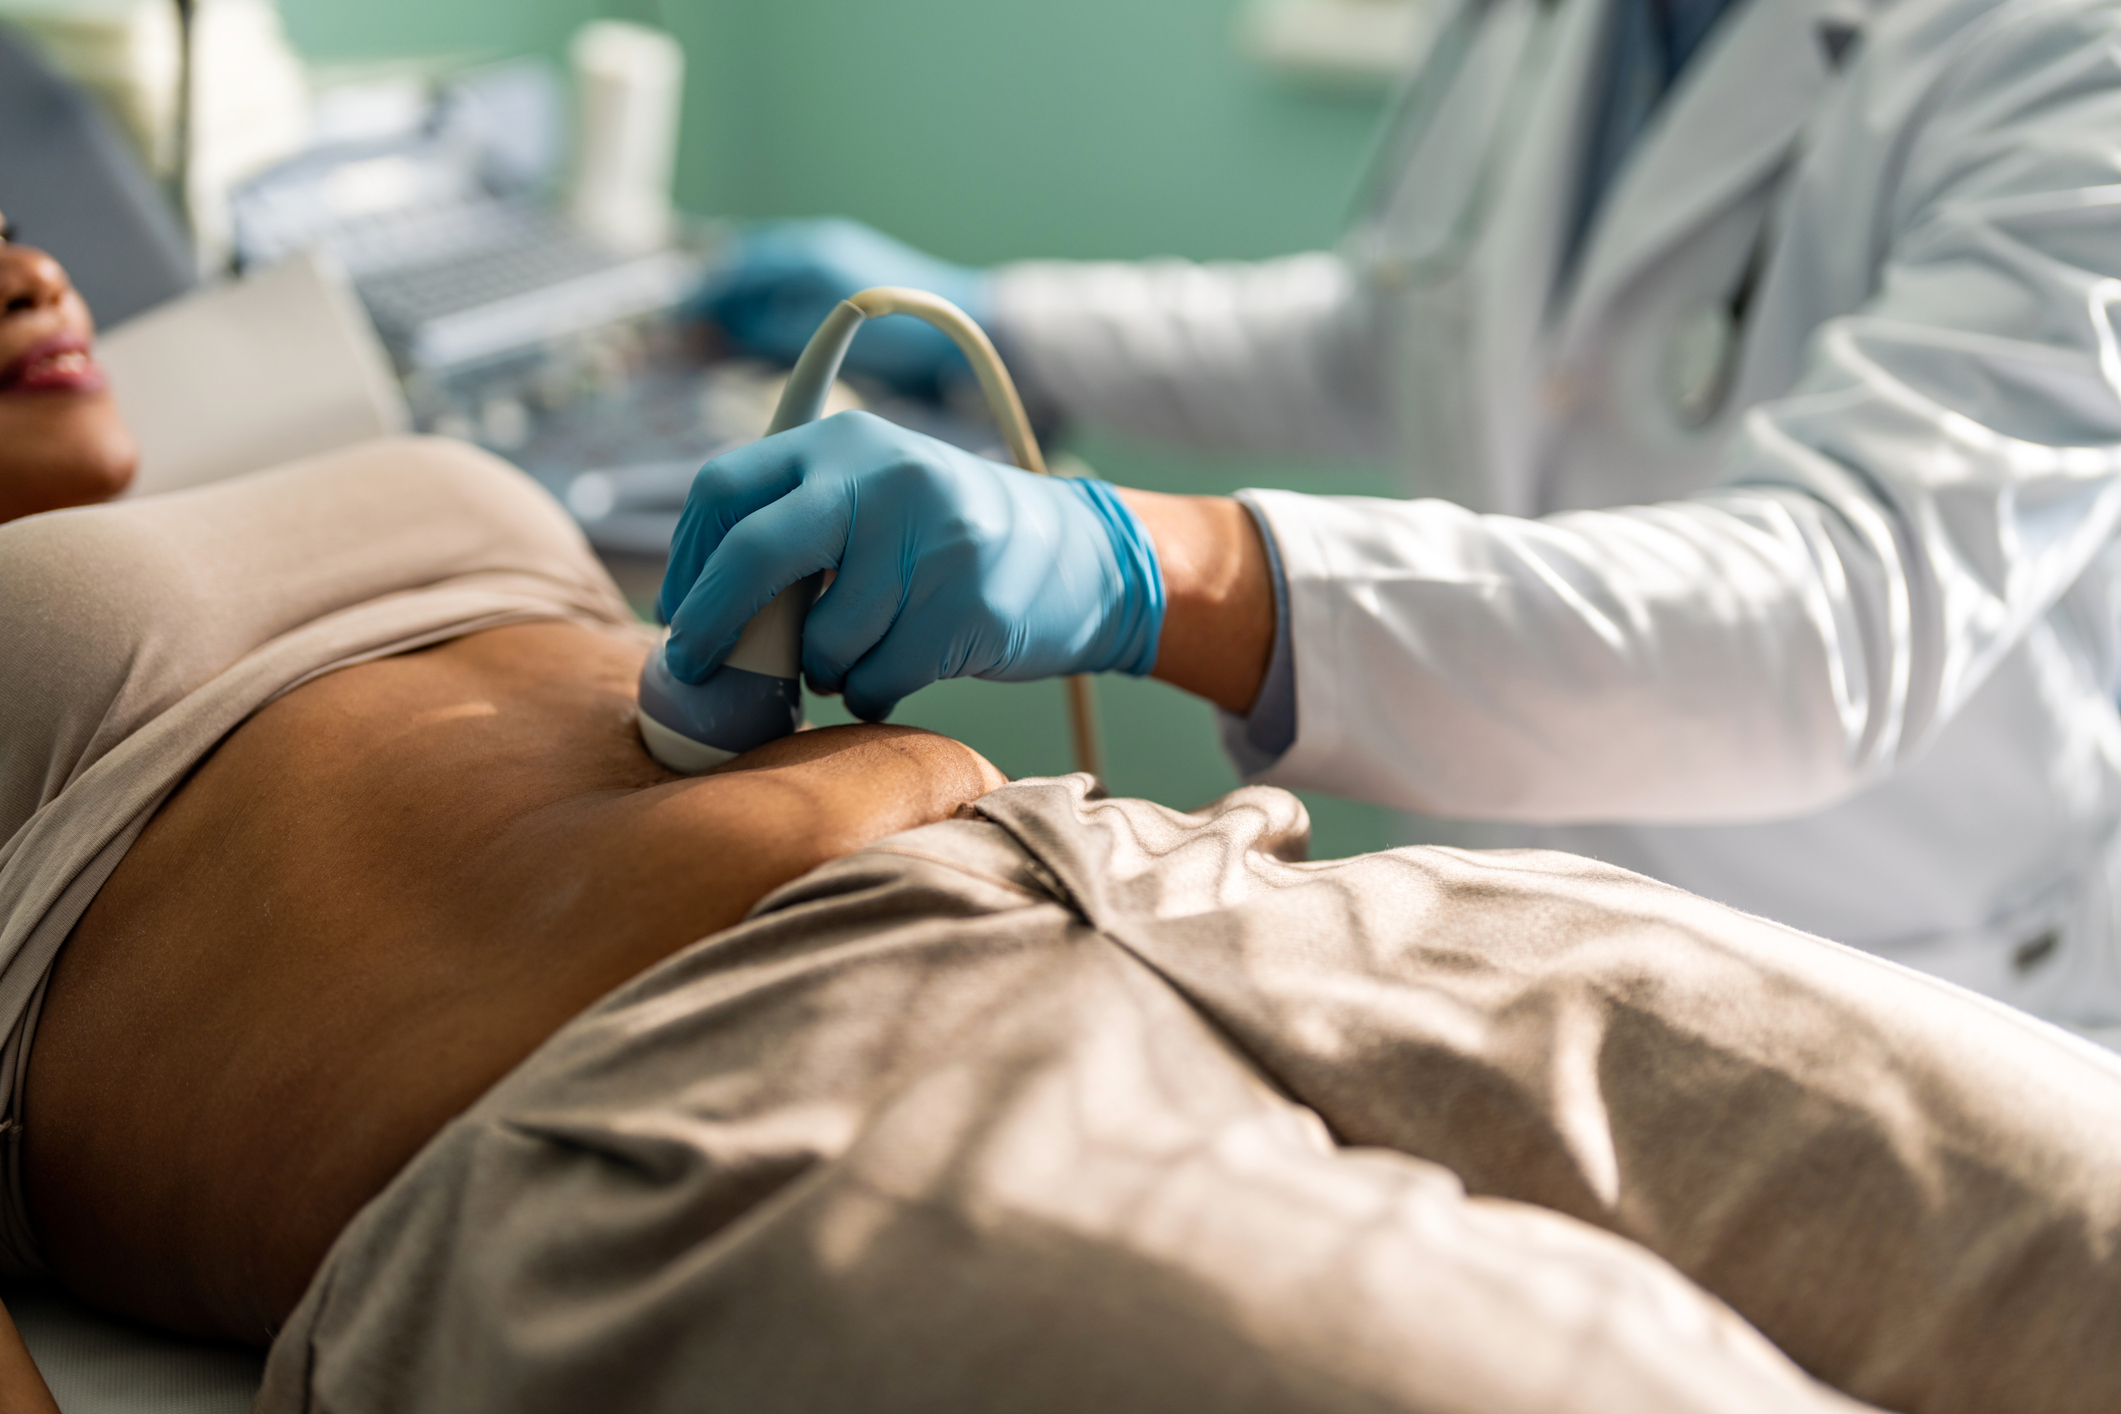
x: 811, y: 383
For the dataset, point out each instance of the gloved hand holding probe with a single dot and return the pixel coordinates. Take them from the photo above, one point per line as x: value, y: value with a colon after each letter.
x: 948, y: 565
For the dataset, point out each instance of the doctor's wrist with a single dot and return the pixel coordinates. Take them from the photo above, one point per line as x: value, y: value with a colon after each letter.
x: 1134, y: 618
x: 1218, y: 626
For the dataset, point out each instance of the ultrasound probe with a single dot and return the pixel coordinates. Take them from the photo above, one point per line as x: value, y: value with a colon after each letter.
x: 756, y: 696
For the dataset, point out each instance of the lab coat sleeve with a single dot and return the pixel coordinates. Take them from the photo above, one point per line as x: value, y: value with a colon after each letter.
x: 1947, y: 467
x: 1277, y: 356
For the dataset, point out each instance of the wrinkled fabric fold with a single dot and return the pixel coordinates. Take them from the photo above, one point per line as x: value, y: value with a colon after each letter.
x: 1090, y: 1104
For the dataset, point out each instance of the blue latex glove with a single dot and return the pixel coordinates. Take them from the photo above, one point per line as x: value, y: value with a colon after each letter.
x: 949, y: 565
x: 787, y: 277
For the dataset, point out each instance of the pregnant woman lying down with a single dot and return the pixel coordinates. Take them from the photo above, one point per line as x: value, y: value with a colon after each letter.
x: 369, y: 995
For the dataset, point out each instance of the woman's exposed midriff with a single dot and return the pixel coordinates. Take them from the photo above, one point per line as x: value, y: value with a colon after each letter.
x: 375, y: 898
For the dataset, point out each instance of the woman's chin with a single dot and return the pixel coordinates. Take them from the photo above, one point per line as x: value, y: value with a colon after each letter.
x: 62, y: 451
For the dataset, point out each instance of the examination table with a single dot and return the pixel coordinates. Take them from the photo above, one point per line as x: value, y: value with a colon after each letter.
x: 96, y: 1365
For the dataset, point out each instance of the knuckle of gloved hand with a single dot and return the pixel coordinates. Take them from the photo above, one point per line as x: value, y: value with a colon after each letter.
x: 910, y: 483
x: 857, y: 425
x: 848, y: 444
x: 718, y: 483
x: 970, y: 515
x: 958, y: 561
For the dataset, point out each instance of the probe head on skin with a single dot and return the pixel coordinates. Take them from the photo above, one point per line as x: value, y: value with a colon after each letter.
x: 693, y: 728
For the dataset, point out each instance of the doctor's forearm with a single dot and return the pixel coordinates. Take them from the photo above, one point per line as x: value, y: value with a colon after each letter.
x: 1276, y: 355
x: 1219, y: 596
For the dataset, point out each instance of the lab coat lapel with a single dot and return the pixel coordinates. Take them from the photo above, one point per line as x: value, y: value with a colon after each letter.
x: 1734, y: 117
x: 1519, y: 256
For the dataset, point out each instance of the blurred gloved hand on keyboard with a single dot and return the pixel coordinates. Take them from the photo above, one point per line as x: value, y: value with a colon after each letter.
x: 949, y: 565
x: 786, y: 278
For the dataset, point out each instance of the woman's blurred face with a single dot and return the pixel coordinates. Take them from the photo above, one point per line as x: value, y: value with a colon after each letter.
x: 62, y: 442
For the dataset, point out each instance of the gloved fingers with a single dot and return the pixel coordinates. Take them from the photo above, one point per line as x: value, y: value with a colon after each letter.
x: 725, y: 491
x: 815, y: 240
x: 911, y: 355
x: 767, y: 254
x: 774, y: 317
x: 731, y: 287
x: 772, y: 295
x: 763, y: 554
x: 853, y: 615
x: 908, y: 659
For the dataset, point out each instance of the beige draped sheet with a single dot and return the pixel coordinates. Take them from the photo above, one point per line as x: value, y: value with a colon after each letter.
x: 1087, y: 1104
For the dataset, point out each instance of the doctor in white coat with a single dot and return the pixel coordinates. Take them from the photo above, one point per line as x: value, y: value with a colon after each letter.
x: 1757, y: 367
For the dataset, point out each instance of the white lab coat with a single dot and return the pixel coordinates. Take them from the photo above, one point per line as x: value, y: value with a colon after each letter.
x: 1779, y: 558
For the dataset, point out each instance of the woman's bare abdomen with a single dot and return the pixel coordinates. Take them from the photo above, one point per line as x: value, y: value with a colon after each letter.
x: 366, y: 906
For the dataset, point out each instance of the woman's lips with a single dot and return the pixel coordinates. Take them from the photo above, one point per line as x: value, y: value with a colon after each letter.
x: 60, y: 364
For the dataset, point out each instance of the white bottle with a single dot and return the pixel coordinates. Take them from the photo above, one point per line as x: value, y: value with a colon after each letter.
x: 629, y: 91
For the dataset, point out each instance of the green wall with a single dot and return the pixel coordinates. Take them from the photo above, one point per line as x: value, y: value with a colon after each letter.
x: 334, y: 30
x: 988, y: 131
